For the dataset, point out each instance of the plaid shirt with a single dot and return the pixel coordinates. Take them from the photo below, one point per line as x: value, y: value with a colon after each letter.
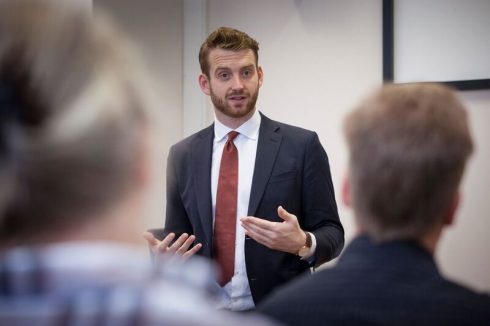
x: 106, y: 284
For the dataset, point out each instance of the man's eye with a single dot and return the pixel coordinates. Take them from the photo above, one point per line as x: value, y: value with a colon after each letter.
x: 224, y: 75
x: 247, y: 73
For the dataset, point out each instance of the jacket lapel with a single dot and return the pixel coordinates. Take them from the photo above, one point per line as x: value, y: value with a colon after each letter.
x: 201, y: 156
x: 267, y: 149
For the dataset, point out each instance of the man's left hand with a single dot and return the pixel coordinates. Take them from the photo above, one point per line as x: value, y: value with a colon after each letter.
x: 284, y: 236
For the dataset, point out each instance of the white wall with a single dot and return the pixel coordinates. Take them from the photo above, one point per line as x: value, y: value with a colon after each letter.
x: 156, y: 28
x: 463, y: 254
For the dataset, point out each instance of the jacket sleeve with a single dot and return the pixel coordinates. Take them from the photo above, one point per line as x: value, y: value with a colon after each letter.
x: 176, y: 219
x: 319, y: 208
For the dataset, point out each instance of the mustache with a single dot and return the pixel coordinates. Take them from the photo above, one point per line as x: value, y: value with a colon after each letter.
x: 238, y: 93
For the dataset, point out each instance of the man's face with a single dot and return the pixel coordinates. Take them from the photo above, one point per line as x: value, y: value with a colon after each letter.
x: 233, y: 83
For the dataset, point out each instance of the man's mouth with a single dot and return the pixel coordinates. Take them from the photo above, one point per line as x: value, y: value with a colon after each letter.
x: 237, y: 97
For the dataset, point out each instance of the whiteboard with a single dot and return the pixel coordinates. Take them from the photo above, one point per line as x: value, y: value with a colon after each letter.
x: 441, y: 40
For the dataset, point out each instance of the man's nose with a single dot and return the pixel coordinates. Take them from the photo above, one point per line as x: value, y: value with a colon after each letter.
x: 237, y: 83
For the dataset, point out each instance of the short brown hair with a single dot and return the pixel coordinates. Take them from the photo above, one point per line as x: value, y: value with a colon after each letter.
x: 228, y: 39
x: 408, y: 148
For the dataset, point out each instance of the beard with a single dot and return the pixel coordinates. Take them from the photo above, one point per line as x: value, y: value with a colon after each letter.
x: 222, y: 105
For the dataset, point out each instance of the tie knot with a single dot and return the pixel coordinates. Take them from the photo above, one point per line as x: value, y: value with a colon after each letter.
x: 232, y: 135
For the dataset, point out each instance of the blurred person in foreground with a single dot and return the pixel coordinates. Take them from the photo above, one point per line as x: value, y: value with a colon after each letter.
x: 408, y: 146
x: 75, y: 142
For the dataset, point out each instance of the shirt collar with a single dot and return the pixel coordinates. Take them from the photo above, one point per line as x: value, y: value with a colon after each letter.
x: 249, y: 128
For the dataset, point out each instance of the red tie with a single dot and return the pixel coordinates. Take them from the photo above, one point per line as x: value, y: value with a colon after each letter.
x: 225, y: 212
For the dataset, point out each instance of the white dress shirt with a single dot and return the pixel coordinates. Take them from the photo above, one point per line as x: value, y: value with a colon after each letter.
x: 236, y: 294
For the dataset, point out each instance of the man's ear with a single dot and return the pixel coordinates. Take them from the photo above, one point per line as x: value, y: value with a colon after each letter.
x: 204, y: 84
x: 260, y: 73
x: 450, y: 215
x: 346, y: 195
x: 347, y: 201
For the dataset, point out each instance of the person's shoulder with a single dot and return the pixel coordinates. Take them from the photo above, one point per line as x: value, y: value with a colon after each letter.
x: 288, y: 130
x: 294, y: 303
x: 187, y: 142
x: 299, y: 292
x: 462, y: 295
x: 285, y: 127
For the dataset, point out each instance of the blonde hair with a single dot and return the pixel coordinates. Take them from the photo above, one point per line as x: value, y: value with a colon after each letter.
x: 74, y: 102
x: 408, y: 148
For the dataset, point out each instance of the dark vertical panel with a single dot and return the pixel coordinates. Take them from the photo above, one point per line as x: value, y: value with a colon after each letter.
x: 388, y: 40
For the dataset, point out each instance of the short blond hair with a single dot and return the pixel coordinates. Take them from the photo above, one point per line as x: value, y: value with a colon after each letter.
x: 408, y: 148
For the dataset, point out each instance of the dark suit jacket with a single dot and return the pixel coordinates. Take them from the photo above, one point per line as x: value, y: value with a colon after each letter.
x: 291, y: 170
x: 396, y: 283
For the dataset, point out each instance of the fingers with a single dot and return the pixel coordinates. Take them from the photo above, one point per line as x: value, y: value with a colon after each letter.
x: 258, y: 222
x: 257, y: 231
x: 282, y: 236
x: 150, y: 238
x: 163, y: 246
x: 153, y: 242
x: 261, y: 239
x: 177, y: 243
x: 259, y: 235
x: 284, y: 214
x: 185, y: 246
x: 179, y: 247
x: 192, y: 251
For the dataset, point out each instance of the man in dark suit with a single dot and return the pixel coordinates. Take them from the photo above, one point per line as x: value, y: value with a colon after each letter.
x: 408, y: 148
x: 255, y: 195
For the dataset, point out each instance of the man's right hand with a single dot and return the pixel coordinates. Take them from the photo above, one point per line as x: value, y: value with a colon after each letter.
x: 178, y: 247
